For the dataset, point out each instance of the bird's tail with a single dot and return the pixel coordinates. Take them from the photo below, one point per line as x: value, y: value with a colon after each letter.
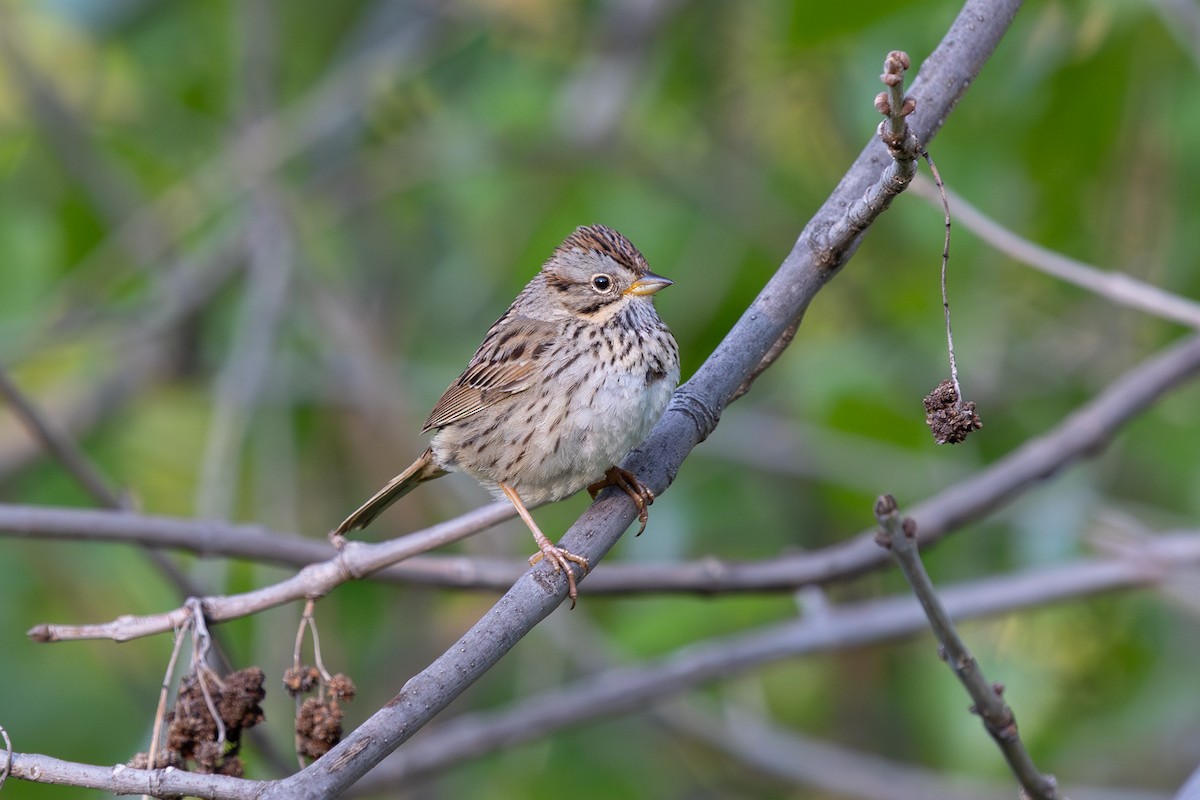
x: 423, y: 469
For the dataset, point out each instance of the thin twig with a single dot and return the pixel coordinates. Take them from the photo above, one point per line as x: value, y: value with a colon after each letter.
x: 744, y: 733
x: 201, y: 643
x: 764, y: 748
x: 1116, y: 287
x: 896, y: 107
x: 297, y: 650
x: 316, y: 639
x: 71, y: 456
x: 937, y: 178
x: 356, y: 560
x: 59, y: 445
x: 161, y: 712
x: 899, y: 537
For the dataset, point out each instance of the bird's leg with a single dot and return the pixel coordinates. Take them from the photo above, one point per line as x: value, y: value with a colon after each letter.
x: 638, y: 492
x: 560, y: 557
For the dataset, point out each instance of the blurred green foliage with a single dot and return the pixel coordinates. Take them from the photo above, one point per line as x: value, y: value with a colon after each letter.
x: 423, y: 159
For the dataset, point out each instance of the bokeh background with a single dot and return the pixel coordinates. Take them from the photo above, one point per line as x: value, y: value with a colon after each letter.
x: 245, y: 247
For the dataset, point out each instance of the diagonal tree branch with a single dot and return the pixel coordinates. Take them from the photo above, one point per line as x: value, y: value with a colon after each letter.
x: 355, y: 560
x: 1116, y: 287
x: 899, y: 536
x: 59, y: 445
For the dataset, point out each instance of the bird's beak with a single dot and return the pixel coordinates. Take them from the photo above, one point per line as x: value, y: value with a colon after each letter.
x: 648, y: 284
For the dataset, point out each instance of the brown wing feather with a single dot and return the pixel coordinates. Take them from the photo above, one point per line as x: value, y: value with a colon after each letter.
x: 504, y: 365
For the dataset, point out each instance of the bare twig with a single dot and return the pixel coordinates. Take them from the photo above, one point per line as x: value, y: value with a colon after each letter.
x: 161, y: 712
x: 744, y: 733
x: 899, y: 537
x: 356, y: 560
x: 201, y: 644
x: 896, y: 107
x: 773, y: 750
x: 905, y: 147
x: 937, y: 179
x: 949, y: 418
x: 309, y: 623
x: 68, y: 453
x: 1116, y: 287
x: 298, y: 667
x: 121, y: 779
x: 60, y: 446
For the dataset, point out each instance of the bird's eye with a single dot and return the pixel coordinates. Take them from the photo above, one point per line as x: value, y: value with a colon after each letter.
x: 601, y: 283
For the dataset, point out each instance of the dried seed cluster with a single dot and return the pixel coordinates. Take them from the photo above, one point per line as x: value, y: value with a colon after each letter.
x: 192, y: 733
x: 950, y: 421
x: 319, y: 720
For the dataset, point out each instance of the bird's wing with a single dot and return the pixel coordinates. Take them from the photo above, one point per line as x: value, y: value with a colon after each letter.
x: 505, y: 364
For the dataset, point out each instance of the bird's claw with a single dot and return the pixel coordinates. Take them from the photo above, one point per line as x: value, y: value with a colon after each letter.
x: 562, y: 559
x: 626, y: 481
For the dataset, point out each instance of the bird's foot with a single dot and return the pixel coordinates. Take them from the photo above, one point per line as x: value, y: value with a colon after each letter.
x: 562, y: 559
x: 638, y: 492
